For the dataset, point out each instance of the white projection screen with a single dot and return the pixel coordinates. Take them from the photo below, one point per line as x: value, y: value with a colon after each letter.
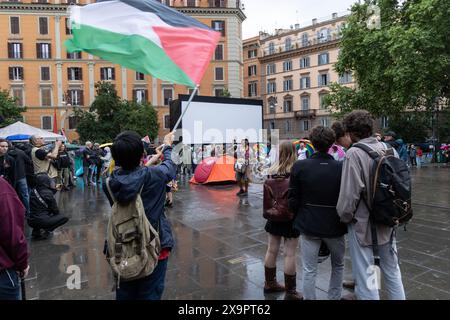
x: 210, y: 120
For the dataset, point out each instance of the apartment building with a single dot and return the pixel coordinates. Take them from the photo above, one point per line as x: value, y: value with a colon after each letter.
x: 292, y: 73
x: 36, y: 68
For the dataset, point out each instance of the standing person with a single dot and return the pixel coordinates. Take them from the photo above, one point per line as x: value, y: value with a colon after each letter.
x: 186, y: 158
x: 281, y: 229
x: 5, y: 161
x: 64, y: 168
x: 419, y: 155
x: 150, y: 181
x: 196, y: 158
x: 13, y: 244
x: 107, y: 161
x: 42, y: 159
x: 356, y: 186
x: 98, y: 162
x: 313, y: 195
x: 242, y: 167
x: 412, y: 155
x: 302, y: 152
x: 87, y: 162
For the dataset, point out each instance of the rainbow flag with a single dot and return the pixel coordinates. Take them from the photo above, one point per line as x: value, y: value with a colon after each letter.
x: 146, y: 36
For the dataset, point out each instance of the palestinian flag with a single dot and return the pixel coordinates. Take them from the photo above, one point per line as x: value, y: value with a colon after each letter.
x: 146, y: 36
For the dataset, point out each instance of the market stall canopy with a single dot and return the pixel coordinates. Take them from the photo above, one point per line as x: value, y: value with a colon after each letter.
x: 23, y: 129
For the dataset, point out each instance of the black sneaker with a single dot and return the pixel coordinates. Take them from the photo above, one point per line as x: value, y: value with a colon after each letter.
x: 240, y: 192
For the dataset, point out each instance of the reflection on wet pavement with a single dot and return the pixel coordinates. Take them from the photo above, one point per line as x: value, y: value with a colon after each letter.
x: 221, y: 243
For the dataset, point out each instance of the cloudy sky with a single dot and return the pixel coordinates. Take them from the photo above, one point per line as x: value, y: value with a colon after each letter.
x: 266, y: 15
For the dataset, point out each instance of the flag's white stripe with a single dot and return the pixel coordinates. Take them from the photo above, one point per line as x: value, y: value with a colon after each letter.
x: 118, y: 17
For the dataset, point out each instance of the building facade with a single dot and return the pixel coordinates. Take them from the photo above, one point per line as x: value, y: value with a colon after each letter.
x: 36, y: 68
x: 292, y: 73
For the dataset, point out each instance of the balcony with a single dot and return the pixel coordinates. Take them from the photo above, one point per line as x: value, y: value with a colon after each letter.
x: 306, y: 114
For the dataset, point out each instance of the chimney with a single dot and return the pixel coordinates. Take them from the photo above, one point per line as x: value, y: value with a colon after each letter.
x: 292, y: 27
x: 297, y: 26
x: 314, y: 21
x: 334, y: 15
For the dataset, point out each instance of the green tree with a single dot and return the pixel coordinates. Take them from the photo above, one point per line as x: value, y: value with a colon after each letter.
x: 109, y: 115
x: 10, y: 112
x: 411, y: 127
x: 402, y: 65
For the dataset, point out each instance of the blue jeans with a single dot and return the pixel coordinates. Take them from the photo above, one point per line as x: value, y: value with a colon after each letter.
x: 148, y: 288
x: 23, y: 193
x: 9, y: 285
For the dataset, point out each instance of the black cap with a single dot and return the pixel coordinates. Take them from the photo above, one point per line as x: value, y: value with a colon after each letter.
x: 391, y: 133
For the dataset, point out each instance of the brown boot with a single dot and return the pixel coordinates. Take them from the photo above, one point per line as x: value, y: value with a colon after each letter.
x: 271, y: 285
x: 291, y: 286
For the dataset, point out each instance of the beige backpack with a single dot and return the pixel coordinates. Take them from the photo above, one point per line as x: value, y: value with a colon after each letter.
x: 133, y: 243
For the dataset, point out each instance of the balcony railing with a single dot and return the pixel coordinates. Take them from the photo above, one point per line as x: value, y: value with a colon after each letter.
x: 300, y: 44
x: 304, y: 114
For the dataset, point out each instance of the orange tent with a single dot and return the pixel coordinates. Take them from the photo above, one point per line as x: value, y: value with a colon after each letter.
x: 215, y: 170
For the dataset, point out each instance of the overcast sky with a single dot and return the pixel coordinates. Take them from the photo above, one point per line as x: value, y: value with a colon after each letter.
x: 266, y: 15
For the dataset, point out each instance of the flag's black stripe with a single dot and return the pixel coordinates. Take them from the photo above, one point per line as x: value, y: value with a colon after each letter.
x: 167, y: 14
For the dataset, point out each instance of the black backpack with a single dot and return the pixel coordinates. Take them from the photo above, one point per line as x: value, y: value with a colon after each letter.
x: 391, y: 198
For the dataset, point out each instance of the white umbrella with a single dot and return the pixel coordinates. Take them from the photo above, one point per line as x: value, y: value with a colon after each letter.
x: 20, y: 128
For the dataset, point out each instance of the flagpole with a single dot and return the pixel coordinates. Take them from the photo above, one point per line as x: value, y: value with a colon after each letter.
x: 187, y: 106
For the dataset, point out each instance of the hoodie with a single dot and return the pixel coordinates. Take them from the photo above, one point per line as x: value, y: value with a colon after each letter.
x: 125, y: 186
x: 46, y: 189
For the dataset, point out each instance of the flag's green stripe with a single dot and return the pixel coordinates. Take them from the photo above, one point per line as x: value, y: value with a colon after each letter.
x: 134, y: 52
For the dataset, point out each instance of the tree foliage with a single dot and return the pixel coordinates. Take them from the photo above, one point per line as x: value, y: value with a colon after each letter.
x: 109, y: 115
x: 10, y: 112
x: 403, y: 65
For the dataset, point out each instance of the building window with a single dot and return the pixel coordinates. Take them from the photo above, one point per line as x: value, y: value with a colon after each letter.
x: 323, y: 79
x: 287, y: 65
x: 322, y: 101
x: 219, y: 74
x: 15, y: 73
x: 384, y: 122
x: 323, y: 35
x: 140, y: 76
x: 167, y: 122
x: 271, y: 48
x: 305, y: 103
x: 271, y: 87
x: 218, y: 92
x: 304, y: 63
x: 287, y: 84
x: 218, y: 3
x: 74, y: 55
x: 45, y: 73
x: 107, y: 74
x: 305, y: 125
x: 346, y: 78
x: 219, y: 26
x: 272, y: 125
x: 18, y: 95
x: 76, y: 97
x: 324, y: 58
x: 252, y: 70
x: 325, y: 122
x: 288, y: 44
x: 288, y: 126
x: 68, y: 26
x: 73, y: 123
x: 74, y: 74
x: 191, y: 3
x: 15, y: 25
x: 190, y: 90
x: 287, y: 105
x: 15, y: 50
x: 43, y: 25
x: 47, y: 123
x: 305, y: 82
x: 140, y: 95
x: 219, y: 53
x: 168, y: 96
x: 43, y: 51
x: 252, y: 53
x: 271, y: 69
x: 46, y: 97
x: 253, y: 89
x: 305, y: 41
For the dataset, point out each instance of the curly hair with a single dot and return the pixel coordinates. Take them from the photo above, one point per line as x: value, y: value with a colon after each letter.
x: 359, y: 123
x: 338, y: 129
x: 322, y: 138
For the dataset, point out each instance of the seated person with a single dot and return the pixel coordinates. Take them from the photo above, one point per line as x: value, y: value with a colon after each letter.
x: 44, y: 210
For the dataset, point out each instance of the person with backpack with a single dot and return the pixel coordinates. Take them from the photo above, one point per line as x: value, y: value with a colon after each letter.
x: 13, y: 244
x: 313, y: 194
x: 371, y: 243
x: 64, y: 176
x: 279, y: 225
x: 138, y: 248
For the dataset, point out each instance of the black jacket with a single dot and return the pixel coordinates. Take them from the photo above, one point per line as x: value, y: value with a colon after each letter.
x: 46, y: 190
x: 313, y: 196
x: 20, y: 166
x: 63, y: 160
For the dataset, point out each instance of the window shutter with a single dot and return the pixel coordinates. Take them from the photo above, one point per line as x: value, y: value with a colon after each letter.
x: 135, y: 95
x: 21, y: 77
x: 38, y: 50
x: 81, y: 97
x: 10, y: 50
x: 69, y: 74
x: 49, y: 51
x: 113, y: 74
x: 11, y: 73
x: 146, y: 95
x: 81, y: 73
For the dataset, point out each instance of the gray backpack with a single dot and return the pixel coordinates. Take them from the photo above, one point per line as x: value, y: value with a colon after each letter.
x: 133, y: 243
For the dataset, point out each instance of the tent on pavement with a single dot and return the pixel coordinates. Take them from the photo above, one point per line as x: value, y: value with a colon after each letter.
x: 22, y: 129
x: 215, y: 170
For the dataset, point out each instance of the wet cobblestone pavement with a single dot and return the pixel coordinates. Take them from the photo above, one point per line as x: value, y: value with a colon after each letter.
x: 221, y: 243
